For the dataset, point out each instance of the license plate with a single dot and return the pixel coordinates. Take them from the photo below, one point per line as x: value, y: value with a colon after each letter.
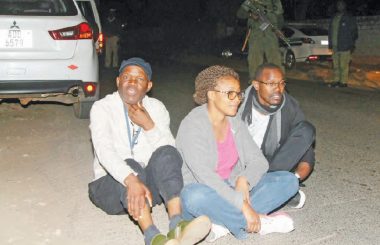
x: 15, y: 38
x: 325, y: 42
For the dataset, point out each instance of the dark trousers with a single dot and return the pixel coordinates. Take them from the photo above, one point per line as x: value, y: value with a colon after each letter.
x: 290, y: 153
x: 162, y: 176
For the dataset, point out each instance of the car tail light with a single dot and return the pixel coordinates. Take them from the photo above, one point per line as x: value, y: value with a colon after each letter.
x: 313, y: 58
x: 308, y: 40
x: 81, y: 31
x: 89, y: 89
x: 101, y: 43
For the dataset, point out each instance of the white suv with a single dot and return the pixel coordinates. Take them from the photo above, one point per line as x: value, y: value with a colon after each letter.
x: 48, y: 53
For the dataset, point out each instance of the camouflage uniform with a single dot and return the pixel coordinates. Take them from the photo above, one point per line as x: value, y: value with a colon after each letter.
x: 262, y: 42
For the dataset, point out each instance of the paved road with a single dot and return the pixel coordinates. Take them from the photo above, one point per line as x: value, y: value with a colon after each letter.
x: 46, y: 163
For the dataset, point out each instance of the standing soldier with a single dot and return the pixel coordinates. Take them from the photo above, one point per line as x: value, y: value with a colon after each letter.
x: 343, y: 32
x: 112, y: 29
x: 262, y: 40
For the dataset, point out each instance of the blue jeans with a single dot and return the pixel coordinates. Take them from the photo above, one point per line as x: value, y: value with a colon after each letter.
x: 273, y: 190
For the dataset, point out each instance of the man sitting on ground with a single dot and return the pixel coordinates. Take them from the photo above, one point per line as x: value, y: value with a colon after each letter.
x: 278, y: 126
x: 136, y: 165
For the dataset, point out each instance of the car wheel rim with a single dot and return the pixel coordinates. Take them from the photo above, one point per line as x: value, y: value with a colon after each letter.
x: 289, y: 60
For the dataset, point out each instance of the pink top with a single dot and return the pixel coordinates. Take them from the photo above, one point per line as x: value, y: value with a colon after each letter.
x: 227, y: 155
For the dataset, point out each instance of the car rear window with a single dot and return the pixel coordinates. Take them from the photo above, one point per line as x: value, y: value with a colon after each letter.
x: 287, y: 32
x: 38, y: 7
x: 314, y: 31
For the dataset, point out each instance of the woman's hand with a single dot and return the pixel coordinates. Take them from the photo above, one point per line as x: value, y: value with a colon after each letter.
x: 242, y: 186
x: 252, y: 218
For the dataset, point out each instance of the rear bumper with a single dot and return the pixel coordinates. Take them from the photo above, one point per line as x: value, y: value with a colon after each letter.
x: 8, y: 87
x: 313, y: 58
x: 83, y: 66
x: 66, y: 91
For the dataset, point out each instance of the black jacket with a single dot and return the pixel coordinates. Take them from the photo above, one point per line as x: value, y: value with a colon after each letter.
x: 291, y: 116
x: 112, y: 28
x: 347, y: 33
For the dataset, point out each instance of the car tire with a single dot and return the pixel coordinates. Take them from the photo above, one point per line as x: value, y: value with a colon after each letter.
x: 82, y: 109
x: 289, y: 60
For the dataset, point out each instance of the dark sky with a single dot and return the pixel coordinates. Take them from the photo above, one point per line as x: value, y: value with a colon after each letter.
x: 179, y: 25
x: 151, y: 11
x: 326, y: 8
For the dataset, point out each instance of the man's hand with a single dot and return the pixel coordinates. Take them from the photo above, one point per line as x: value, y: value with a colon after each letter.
x: 136, y: 194
x: 140, y: 116
x: 253, y: 16
x: 252, y: 218
x: 242, y: 186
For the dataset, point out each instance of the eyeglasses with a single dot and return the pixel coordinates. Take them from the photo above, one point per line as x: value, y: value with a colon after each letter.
x: 232, y: 94
x: 274, y: 84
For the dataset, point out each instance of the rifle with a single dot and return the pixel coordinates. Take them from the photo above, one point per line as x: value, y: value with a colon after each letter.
x: 250, y: 7
x: 246, y: 40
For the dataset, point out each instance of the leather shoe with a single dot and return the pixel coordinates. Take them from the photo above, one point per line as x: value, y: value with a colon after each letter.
x: 332, y: 85
x: 191, y: 232
x: 341, y: 85
x: 161, y: 239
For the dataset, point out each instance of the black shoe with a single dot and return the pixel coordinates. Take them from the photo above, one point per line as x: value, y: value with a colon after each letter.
x: 332, y: 85
x: 341, y: 85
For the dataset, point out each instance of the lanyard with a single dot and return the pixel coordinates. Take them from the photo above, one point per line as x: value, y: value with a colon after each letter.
x: 132, y: 137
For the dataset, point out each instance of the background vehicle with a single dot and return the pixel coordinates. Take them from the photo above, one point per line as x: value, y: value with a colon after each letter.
x: 308, y: 44
x: 48, y: 54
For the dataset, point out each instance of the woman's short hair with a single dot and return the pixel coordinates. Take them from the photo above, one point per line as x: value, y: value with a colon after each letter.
x: 207, y: 79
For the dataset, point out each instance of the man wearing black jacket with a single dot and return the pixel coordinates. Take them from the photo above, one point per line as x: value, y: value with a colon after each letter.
x: 343, y: 32
x: 278, y: 126
x: 112, y: 30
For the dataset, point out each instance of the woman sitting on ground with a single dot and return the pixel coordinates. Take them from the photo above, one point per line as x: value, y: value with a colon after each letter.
x: 224, y: 171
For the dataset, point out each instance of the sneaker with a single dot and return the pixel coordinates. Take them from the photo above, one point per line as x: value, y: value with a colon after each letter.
x: 298, y: 201
x: 161, y: 239
x: 277, y: 222
x: 217, y: 231
x: 191, y: 232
